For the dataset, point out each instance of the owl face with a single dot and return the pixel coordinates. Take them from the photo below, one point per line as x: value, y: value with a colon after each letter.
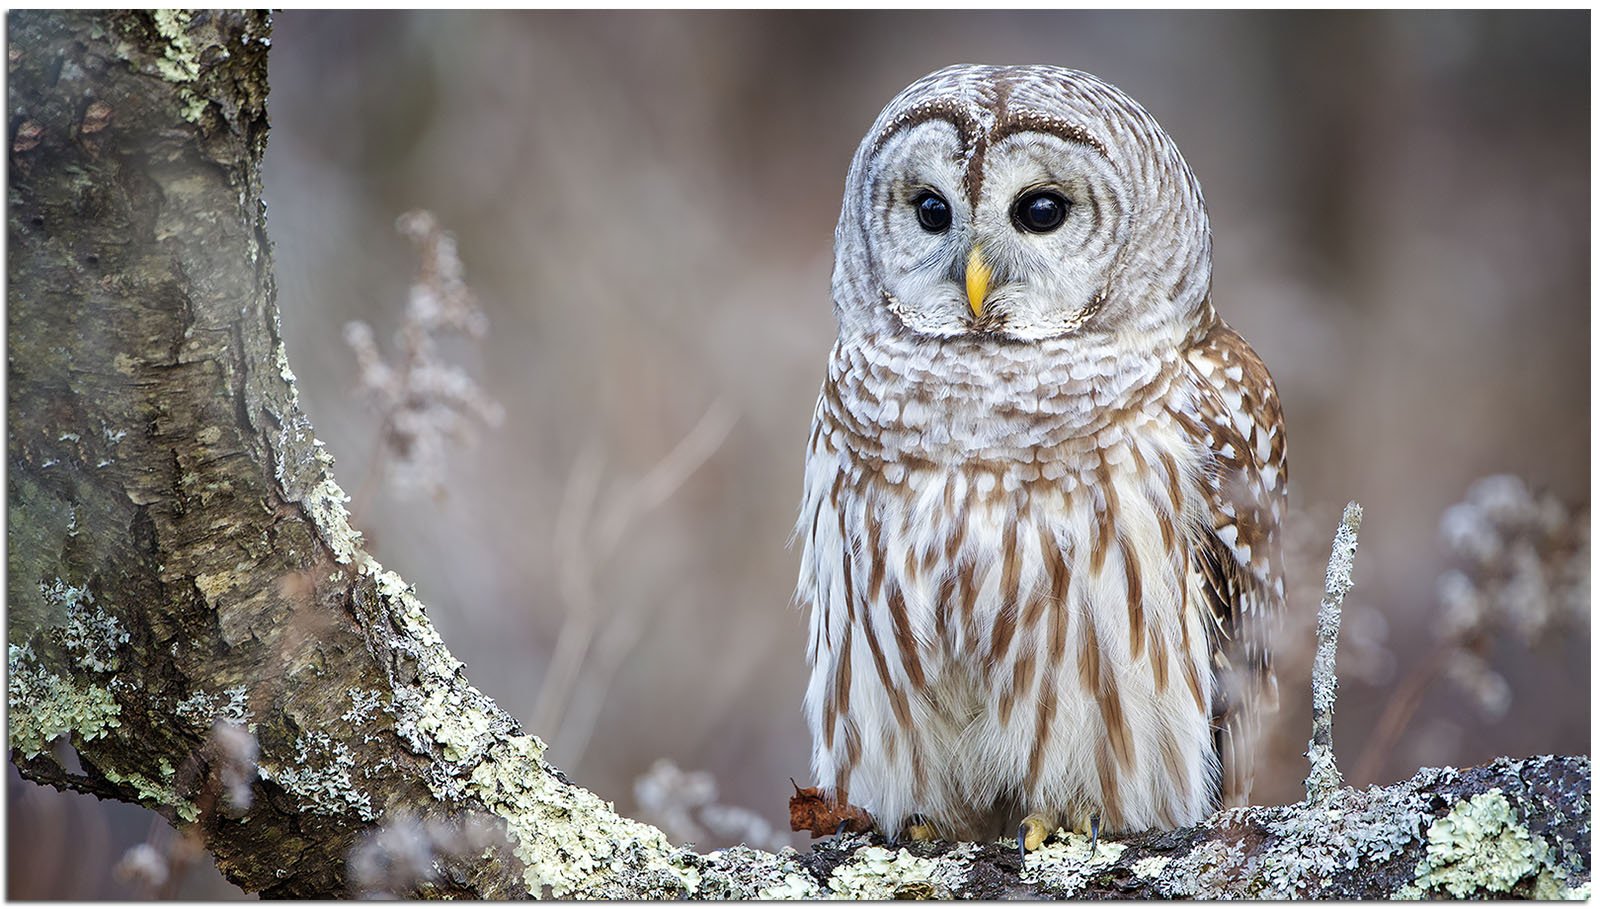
x: 1003, y: 202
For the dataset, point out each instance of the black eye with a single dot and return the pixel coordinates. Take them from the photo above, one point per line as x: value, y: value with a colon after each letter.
x: 1040, y: 212
x: 933, y: 213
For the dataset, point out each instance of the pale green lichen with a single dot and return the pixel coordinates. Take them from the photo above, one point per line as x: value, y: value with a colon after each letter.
x: 237, y: 710
x: 179, y: 62
x: 1481, y: 849
x: 45, y: 706
x: 569, y: 840
x: 320, y: 776
x: 876, y: 873
x: 151, y: 792
x: 1580, y: 892
x: 452, y: 718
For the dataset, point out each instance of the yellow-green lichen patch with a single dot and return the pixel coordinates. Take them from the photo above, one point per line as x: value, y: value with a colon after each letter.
x: 876, y: 873
x: 569, y: 840
x: 179, y: 63
x: 157, y: 794
x: 453, y: 719
x: 1065, y: 863
x: 1481, y: 849
x: 45, y: 706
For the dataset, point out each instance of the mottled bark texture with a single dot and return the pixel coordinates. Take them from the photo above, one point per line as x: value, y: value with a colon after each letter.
x: 180, y: 561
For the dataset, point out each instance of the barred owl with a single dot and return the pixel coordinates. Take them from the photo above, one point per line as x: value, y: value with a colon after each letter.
x: 1044, y: 479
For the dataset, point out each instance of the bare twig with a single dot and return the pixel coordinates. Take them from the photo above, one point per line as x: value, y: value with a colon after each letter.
x: 586, y: 545
x: 1397, y: 714
x: 1324, y: 779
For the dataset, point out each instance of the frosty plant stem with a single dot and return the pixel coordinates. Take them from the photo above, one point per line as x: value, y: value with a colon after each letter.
x: 1324, y: 779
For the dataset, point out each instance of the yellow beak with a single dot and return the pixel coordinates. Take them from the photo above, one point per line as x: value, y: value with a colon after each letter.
x: 978, y: 275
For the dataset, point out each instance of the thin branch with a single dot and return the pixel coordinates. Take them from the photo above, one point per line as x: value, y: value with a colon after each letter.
x: 1324, y: 779
x: 586, y: 546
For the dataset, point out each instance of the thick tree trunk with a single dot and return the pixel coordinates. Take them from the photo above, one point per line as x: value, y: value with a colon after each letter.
x: 181, y: 572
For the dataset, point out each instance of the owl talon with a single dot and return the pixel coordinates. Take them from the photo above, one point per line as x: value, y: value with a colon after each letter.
x: 1035, y: 829
x: 1094, y: 833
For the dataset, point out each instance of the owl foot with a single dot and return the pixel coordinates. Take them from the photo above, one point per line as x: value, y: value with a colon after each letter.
x: 1094, y: 833
x: 918, y: 829
x: 1035, y: 829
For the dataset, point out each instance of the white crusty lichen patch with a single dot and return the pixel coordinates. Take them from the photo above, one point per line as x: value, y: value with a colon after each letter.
x: 1481, y: 849
x: 304, y: 470
x: 1151, y: 867
x: 1307, y: 845
x: 1065, y: 863
x: 876, y: 873
x: 879, y: 873
x: 44, y: 706
x: 742, y: 873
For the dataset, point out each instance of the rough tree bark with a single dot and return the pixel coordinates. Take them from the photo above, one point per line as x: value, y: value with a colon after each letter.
x: 180, y: 562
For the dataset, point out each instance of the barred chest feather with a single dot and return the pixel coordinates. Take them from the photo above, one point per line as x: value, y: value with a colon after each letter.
x: 997, y: 562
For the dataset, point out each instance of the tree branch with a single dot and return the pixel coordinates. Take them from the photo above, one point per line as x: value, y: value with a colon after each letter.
x: 180, y: 557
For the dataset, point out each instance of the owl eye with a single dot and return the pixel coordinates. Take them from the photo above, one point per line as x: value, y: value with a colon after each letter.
x: 933, y: 212
x: 1040, y: 212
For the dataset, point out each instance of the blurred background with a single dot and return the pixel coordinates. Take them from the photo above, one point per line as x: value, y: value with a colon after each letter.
x: 643, y: 205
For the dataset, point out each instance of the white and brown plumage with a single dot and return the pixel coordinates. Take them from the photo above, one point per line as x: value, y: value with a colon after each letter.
x: 1044, y: 479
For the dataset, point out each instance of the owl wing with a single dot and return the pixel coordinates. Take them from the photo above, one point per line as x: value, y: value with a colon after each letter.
x: 1239, y: 565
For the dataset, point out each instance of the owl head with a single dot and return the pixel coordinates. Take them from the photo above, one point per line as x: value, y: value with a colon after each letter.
x: 1019, y: 203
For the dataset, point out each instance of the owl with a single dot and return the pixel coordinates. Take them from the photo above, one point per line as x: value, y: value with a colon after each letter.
x: 1043, y: 485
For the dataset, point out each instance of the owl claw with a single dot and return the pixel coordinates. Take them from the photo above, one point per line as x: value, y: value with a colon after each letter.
x: 1035, y: 829
x: 1094, y: 833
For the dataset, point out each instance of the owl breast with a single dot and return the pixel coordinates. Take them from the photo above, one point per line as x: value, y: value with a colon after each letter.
x: 1003, y: 612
